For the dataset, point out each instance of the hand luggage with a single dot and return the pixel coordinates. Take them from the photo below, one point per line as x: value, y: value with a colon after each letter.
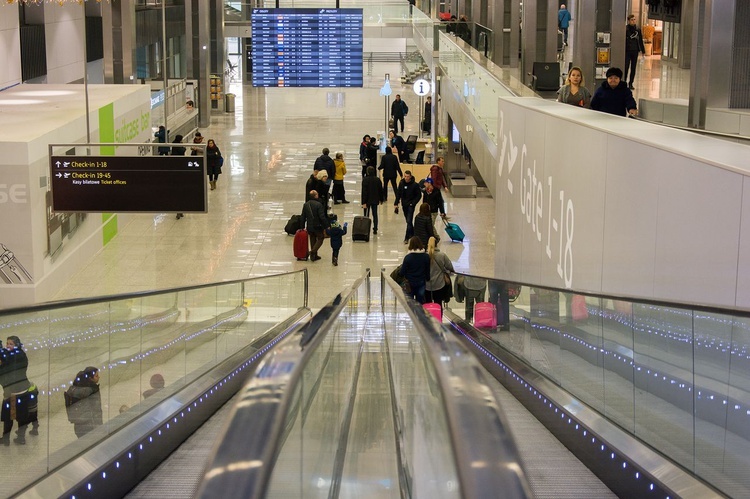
x: 300, y: 244
x: 454, y: 231
x: 435, y: 309
x: 293, y: 225
x: 420, y: 158
x: 485, y: 314
x: 361, y: 229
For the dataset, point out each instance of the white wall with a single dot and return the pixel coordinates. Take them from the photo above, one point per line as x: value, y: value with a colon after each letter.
x: 10, y: 46
x: 64, y: 31
x: 599, y: 203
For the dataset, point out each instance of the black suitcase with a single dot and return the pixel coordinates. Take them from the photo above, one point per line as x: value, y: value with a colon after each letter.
x: 361, y: 229
x: 293, y: 225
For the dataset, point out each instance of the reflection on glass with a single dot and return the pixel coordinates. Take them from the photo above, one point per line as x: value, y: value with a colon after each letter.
x: 144, y: 348
x: 426, y: 440
x: 676, y: 378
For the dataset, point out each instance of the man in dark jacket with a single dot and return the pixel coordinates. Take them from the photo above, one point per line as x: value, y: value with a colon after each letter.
x: 614, y: 96
x: 410, y: 195
x: 372, y: 154
x: 399, y: 110
x: 315, y: 220
x: 325, y: 162
x: 161, y: 137
x: 363, y: 153
x: 373, y: 194
x: 391, y: 168
x: 400, y: 144
x: 633, y: 47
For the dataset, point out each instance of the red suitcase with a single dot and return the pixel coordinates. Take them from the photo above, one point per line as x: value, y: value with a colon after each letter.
x: 300, y: 244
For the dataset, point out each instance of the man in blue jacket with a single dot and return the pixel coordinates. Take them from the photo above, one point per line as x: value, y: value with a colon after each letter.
x: 563, y: 21
x: 614, y: 96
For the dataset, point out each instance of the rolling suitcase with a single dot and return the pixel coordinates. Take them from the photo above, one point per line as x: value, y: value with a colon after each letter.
x: 361, y: 229
x: 300, y: 244
x: 435, y: 309
x: 293, y: 225
x: 485, y: 314
x: 454, y: 231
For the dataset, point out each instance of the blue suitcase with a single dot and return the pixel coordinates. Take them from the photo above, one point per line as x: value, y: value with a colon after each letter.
x: 454, y: 231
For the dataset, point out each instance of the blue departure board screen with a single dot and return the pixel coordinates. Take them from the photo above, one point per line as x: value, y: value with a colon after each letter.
x: 307, y: 47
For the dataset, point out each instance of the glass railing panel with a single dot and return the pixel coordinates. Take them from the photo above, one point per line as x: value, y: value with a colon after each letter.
x: 177, y: 335
x: 315, y: 422
x: 161, y: 352
x: 78, y: 337
x: 663, y: 355
x: 581, y: 348
x: 619, y: 377
x: 677, y: 378
x: 427, y: 450
x: 722, y: 401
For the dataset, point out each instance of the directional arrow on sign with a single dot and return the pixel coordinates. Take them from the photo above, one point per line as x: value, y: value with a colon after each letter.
x: 59, y: 175
x: 58, y: 164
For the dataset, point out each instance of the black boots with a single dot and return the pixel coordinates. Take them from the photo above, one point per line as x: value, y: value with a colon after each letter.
x: 335, y: 262
x: 314, y: 256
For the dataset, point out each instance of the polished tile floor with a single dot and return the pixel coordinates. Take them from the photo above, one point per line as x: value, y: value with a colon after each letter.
x: 270, y: 144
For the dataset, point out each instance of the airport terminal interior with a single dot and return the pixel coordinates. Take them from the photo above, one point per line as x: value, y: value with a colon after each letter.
x: 262, y: 375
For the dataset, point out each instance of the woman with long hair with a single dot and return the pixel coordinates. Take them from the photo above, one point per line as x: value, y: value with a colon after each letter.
x: 574, y: 92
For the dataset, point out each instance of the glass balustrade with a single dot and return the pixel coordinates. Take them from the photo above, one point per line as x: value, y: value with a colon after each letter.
x: 146, y: 347
x: 676, y: 377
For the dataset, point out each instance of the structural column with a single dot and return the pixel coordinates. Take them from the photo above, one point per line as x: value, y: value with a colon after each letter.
x: 720, y: 64
x: 610, y: 16
x: 118, y: 23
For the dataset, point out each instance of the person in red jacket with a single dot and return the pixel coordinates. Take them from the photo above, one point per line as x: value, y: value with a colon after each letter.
x: 437, y: 174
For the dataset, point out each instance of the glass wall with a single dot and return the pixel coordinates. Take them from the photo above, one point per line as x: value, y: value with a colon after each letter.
x: 677, y: 378
x: 145, y: 348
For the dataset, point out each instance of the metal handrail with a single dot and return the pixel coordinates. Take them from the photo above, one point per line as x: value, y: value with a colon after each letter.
x: 242, y: 462
x: 478, y: 428
x: 712, y: 133
x: 740, y: 312
x: 76, y: 302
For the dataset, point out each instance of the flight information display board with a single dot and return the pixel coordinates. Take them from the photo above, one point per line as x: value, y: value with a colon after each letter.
x: 135, y: 184
x: 307, y: 47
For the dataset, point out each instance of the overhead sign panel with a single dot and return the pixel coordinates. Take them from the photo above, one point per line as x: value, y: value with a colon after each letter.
x: 136, y: 184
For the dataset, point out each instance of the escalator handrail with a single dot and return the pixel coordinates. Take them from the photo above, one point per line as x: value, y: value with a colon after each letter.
x: 695, y: 307
x: 242, y: 461
x: 485, y: 454
x: 78, y: 302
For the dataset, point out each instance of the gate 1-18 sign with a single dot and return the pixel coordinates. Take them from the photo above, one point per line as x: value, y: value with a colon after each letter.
x: 136, y: 184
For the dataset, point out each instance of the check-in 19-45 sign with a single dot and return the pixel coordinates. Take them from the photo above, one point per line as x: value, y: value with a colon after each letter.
x: 141, y: 184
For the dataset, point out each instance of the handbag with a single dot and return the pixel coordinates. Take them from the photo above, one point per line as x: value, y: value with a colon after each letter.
x: 401, y: 280
x: 447, y: 281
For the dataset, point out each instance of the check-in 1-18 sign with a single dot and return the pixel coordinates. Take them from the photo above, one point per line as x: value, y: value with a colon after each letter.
x: 138, y: 184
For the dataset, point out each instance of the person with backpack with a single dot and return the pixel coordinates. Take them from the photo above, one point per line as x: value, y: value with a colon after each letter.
x: 437, y: 174
x: 633, y: 46
x: 20, y: 396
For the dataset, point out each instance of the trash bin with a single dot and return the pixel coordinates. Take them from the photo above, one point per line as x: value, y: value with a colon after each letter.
x: 229, y: 103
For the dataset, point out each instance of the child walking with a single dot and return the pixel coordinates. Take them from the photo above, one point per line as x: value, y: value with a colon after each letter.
x: 337, y: 233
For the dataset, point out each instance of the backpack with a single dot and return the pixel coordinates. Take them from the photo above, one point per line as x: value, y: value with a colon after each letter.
x: 405, y: 108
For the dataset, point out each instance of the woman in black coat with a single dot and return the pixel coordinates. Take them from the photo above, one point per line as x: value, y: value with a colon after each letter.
x: 19, y: 397
x: 84, y: 402
x: 423, y: 228
x: 214, y: 159
x: 372, y: 196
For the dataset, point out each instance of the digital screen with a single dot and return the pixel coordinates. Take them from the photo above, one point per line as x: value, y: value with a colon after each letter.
x: 307, y: 47
x: 137, y: 184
